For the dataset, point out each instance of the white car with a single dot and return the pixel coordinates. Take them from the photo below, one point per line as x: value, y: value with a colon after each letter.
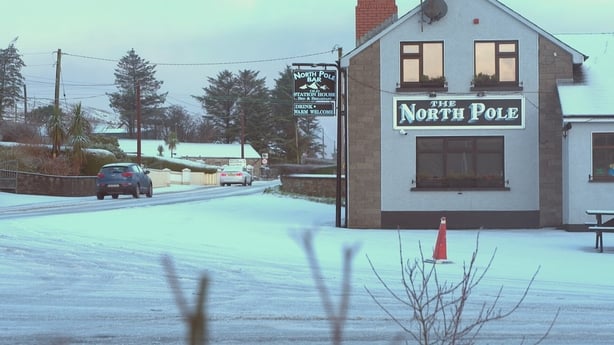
x: 235, y: 174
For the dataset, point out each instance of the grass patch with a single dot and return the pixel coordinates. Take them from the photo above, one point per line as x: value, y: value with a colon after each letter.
x: 277, y: 190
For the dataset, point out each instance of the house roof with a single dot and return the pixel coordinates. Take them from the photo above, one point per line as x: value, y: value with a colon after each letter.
x: 191, y: 150
x: 577, y: 56
x: 591, y: 93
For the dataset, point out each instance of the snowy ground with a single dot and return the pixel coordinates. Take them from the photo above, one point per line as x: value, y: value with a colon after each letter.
x: 97, y: 278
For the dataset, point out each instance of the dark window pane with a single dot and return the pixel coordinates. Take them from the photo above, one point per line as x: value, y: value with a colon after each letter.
x: 459, y: 162
x: 430, y: 144
x: 603, y: 156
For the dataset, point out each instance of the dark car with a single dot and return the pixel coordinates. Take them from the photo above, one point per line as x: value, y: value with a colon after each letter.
x: 123, y: 178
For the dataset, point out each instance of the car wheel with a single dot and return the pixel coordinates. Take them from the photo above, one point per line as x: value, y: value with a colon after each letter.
x: 244, y: 182
x: 115, y: 196
x: 150, y: 191
x: 100, y: 196
x: 137, y: 192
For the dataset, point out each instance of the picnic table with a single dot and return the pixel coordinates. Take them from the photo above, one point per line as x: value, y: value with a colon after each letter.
x: 599, y: 226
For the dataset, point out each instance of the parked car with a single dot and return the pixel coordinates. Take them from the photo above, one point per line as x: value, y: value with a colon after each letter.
x: 235, y: 174
x: 123, y: 178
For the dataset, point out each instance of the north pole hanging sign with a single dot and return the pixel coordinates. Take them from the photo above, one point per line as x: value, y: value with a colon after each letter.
x: 315, y: 92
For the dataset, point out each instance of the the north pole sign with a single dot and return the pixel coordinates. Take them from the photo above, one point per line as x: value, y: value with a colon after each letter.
x: 314, y: 92
x: 315, y: 85
x: 505, y: 112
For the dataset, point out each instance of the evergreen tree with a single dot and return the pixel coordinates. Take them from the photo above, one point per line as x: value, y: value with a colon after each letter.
x: 11, y: 80
x: 219, y: 103
x: 131, y: 71
x: 309, y: 127
x: 284, y: 136
x: 39, y: 115
x: 294, y: 135
x: 253, y: 104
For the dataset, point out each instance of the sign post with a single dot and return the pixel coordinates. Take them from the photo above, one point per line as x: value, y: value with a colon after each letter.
x: 316, y: 93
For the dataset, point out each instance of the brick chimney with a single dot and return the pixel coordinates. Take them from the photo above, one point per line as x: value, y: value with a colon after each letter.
x: 372, y: 16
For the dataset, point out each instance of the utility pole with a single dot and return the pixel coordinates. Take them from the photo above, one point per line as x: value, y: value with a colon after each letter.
x: 25, y: 103
x: 138, y: 123
x: 58, y: 74
x: 340, y: 151
x: 242, y: 133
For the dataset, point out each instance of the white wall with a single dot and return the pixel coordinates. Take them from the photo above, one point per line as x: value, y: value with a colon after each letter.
x: 521, y: 145
x: 581, y: 194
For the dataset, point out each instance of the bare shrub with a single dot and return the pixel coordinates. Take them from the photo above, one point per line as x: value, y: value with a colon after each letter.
x: 438, y: 308
x: 19, y: 132
x: 337, y: 317
x: 196, y: 320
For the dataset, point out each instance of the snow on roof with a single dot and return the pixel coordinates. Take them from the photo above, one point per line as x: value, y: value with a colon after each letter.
x: 593, y: 95
x: 192, y: 150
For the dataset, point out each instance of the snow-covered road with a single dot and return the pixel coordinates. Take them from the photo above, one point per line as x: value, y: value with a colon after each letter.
x: 97, y: 278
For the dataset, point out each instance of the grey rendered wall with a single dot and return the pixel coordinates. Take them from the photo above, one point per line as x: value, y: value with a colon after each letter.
x: 521, y: 145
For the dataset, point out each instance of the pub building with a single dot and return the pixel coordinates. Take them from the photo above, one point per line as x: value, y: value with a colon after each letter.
x: 466, y: 109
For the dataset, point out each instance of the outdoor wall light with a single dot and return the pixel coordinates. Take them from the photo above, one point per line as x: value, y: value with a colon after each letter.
x: 432, y: 94
x: 402, y: 132
x: 566, y: 129
x: 481, y: 94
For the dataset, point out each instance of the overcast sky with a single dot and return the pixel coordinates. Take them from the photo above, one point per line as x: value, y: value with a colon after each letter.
x: 211, y: 34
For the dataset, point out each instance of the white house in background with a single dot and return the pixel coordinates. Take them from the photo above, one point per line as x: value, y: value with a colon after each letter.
x: 208, y: 153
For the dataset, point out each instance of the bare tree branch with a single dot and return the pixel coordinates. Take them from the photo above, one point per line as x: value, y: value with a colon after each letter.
x: 337, y: 318
x: 439, y: 307
x: 197, y: 320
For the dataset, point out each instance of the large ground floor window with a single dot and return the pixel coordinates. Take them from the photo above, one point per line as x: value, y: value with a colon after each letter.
x: 603, y: 156
x: 459, y: 162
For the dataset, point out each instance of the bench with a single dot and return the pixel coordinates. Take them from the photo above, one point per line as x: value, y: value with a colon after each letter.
x: 599, y: 226
x: 599, y: 230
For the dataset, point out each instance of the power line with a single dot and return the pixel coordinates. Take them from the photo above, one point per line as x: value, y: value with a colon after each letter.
x: 210, y: 63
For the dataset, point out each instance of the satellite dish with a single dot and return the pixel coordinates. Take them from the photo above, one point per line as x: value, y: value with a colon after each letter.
x: 434, y: 9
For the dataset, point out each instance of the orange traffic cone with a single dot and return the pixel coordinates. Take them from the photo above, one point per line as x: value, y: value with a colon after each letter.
x: 440, y: 253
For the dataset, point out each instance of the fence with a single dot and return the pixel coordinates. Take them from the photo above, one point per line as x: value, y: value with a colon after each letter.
x: 8, y: 175
x: 166, y: 177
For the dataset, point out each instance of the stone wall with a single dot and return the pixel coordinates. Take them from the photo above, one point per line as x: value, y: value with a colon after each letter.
x: 30, y: 183
x: 554, y: 64
x: 312, y: 185
x: 364, y: 140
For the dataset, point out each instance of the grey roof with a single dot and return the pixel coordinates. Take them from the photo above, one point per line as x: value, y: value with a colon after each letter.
x: 192, y: 150
x: 591, y: 94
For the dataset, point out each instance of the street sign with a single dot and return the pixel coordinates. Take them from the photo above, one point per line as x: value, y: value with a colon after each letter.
x: 315, y: 85
x: 315, y: 92
x: 314, y: 109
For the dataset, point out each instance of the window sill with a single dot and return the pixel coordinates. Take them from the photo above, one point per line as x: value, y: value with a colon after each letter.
x: 601, y: 179
x: 424, y: 88
x: 460, y: 189
x: 496, y: 88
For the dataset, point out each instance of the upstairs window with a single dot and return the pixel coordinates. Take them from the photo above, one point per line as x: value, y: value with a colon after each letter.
x: 459, y: 162
x: 496, y: 63
x: 603, y: 156
x: 422, y: 64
